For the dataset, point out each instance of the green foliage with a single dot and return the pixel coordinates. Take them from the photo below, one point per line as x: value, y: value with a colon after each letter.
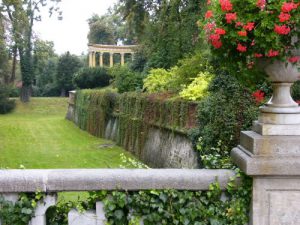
x: 166, y: 29
x: 125, y: 79
x: 198, y: 88
x: 88, y: 77
x: 21, y: 212
x: 179, y: 77
x: 228, y: 109
x: 67, y: 66
x: 6, y: 105
x: 100, y: 32
x: 296, y: 91
x: 161, y: 80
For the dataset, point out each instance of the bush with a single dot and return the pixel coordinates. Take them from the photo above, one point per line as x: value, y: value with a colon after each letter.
x: 87, y: 78
x: 228, y: 109
x: 126, y: 80
x: 161, y: 80
x: 198, y: 88
x: 6, y: 105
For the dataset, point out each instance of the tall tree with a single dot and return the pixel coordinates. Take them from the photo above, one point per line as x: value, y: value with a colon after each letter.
x: 22, y: 14
x: 3, y: 53
x: 67, y: 66
x: 167, y: 29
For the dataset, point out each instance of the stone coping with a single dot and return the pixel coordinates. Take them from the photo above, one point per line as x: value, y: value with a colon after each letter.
x: 13, y: 181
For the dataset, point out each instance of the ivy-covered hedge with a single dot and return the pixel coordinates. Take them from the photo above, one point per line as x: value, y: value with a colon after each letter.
x: 136, y: 112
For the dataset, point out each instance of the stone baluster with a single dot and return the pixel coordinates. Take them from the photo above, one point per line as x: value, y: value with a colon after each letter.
x: 41, y: 209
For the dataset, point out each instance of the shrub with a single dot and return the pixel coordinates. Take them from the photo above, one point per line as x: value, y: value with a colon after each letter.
x: 228, y: 109
x: 160, y: 80
x: 126, y: 80
x: 198, y: 88
x: 6, y: 105
x: 91, y: 78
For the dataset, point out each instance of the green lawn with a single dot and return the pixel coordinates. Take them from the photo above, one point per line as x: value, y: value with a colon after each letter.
x: 37, y: 135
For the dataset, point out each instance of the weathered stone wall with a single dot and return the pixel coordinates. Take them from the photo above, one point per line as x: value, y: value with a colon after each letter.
x: 158, y: 147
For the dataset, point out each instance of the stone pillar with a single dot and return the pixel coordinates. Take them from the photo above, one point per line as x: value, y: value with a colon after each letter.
x: 90, y: 59
x: 132, y: 56
x: 94, y: 59
x: 111, y: 59
x: 101, y: 59
x: 122, y: 59
x: 270, y: 153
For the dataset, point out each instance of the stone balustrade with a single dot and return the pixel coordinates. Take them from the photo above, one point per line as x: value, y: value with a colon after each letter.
x: 51, y: 182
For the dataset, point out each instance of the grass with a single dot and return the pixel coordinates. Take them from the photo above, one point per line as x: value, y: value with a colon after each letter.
x: 37, y: 135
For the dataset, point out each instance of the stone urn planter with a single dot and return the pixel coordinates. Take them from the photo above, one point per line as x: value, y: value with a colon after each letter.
x: 281, y: 108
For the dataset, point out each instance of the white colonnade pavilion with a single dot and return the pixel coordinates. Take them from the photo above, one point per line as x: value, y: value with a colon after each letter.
x: 98, y: 50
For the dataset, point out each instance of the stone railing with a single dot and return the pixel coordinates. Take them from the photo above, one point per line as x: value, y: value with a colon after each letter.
x: 50, y: 182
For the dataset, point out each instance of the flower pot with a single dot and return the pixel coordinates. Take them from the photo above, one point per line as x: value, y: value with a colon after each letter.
x: 283, y: 108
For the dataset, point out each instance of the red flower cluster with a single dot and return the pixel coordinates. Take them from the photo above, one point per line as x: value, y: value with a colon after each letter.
x: 241, y: 48
x: 282, y: 30
x: 288, y: 6
x: 283, y: 17
x: 230, y: 17
x: 273, y: 53
x: 208, y: 14
x: 261, y: 4
x: 259, y: 96
x: 294, y: 59
x: 258, y: 55
x: 249, y: 26
x: 245, y: 35
x: 242, y: 33
x: 220, y: 31
x: 225, y: 5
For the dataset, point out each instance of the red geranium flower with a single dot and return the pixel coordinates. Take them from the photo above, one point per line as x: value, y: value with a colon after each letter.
x: 288, y: 6
x: 225, y: 5
x: 230, y: 17
x: 220, y: 31
x: 249, y: 26
x: 272, y: 53
x: 294, y: 59
x: 259, y: 96
x: 258, y: 55
x: 217, y: 43
x: 282, y: 30
x: 284, y: 17
x: 208, y: 14
x: 261, y: 4
x: 241, y: 48
x: 242, y: 33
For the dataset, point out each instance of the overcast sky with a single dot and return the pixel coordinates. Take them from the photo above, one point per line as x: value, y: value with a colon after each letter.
x: 70, y: 34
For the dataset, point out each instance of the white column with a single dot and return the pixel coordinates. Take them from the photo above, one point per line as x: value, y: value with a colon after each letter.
x: 101, y: 59
x: 122, y: 59
x: 94, y: 59
x: 111, y: 59
x: 90, y: 59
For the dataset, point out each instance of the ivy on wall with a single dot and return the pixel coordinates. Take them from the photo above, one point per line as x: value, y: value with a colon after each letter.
x: 136, y: 114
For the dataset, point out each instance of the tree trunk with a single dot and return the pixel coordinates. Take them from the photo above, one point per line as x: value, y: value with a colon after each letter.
x: 14, y: 64
x: 25, y: 93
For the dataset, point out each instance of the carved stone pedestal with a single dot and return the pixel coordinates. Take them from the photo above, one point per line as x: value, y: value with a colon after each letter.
x: 274, y: 163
